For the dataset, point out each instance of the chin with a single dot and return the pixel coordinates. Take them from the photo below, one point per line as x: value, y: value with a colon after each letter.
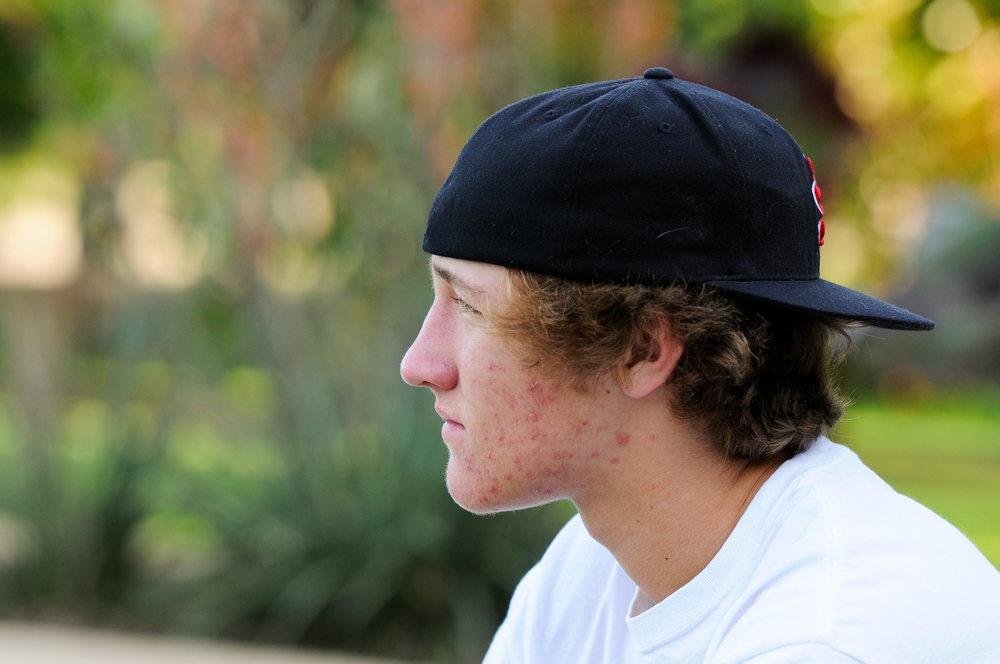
x: 477, y: 505
x: 478, y: 499
x: 474, y: 499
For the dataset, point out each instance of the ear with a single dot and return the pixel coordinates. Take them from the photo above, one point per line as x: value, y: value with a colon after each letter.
x: 647, y: 375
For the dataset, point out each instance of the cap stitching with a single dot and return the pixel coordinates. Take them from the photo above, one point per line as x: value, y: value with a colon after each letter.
x: 724, y: 132
x: 583, y: 158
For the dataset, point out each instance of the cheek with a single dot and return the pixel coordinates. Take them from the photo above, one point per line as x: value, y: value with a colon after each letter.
x: 514, y: 409
x: 529, y: 441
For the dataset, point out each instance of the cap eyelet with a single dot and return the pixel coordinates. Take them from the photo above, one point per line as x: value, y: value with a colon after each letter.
x: 666, y: 127
x: 550, y: 113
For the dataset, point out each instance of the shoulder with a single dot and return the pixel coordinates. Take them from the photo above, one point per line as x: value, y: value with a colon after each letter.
x: 868, y: 534
x: 849, y: 563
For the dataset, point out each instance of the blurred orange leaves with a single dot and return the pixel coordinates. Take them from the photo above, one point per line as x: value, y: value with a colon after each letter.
x: 447, y: 42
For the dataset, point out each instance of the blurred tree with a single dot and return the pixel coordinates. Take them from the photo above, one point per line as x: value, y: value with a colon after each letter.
x: 17, y: 108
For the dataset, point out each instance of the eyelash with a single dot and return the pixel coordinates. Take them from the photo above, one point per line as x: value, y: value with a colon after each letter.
x: 465, y: 306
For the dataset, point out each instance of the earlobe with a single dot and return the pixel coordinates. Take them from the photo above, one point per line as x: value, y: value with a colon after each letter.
x: 649, y: 374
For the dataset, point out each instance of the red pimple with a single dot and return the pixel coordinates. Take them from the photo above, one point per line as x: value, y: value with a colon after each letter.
x: 493, y: 488
x: 615, y: 460
x: 547, y: 491
x: 532, y: 417
x: 508, y: 476
x: 517, y: 459
x: 557, y: 456
x: 595, y: 454
x: 622, y: 439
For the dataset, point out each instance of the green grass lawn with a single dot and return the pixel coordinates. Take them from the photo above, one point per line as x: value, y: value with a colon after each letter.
x: 946, y: 456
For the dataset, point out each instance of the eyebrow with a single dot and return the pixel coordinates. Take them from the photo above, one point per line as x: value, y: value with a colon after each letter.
x: 454, y: 280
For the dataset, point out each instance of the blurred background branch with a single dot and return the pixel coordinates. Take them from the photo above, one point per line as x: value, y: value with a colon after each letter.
x: 210, y: 216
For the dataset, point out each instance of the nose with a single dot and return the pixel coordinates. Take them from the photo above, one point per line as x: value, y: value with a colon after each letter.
x: 429, y: 362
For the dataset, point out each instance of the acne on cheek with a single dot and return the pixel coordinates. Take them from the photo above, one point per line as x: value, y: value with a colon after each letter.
x: 539, y: 395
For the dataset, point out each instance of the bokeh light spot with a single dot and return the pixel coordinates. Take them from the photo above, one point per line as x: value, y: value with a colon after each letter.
x: 951, y: 25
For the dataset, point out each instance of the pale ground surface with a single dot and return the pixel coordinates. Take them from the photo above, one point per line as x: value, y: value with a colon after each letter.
x: 47, y: 644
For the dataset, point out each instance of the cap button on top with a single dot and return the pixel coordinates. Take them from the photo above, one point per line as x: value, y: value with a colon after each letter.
x: 658, y: 72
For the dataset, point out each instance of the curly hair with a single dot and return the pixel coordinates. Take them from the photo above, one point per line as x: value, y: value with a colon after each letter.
x: 758, y: 381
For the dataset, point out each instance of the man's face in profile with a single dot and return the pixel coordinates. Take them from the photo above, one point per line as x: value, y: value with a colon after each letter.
x: 515, y: 438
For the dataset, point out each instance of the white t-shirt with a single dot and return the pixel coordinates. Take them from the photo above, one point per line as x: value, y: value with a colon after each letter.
x: 827, y: 565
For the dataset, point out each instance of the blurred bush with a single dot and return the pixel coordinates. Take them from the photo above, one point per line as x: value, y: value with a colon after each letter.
x: 210, y: 216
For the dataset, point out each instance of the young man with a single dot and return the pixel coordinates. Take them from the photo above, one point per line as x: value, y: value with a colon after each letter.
x: 628, y: 314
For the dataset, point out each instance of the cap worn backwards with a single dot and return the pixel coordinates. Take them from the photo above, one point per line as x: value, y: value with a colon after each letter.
x: 646, y: 180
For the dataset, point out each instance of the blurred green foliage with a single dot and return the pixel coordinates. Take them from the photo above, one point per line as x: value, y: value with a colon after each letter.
x: 210, y: 216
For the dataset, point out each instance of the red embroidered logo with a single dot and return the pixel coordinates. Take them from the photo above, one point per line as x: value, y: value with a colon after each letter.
x: 817, y: 198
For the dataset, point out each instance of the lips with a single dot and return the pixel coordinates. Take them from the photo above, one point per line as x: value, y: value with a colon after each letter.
x: 450, y: 427
x: 446, y: 417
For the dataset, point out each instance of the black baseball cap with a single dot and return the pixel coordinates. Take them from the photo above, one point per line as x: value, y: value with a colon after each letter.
x: 649, y: 180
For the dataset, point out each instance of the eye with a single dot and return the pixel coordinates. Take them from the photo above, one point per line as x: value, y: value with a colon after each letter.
x: 465, y: 306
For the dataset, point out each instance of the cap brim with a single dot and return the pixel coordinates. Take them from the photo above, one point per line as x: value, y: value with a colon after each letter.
x: 824, y: 298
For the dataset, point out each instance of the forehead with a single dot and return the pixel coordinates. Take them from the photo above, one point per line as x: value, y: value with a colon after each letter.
x: 469, y: 277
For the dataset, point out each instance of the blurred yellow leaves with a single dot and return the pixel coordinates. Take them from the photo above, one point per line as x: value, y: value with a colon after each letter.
x: 155, y: 250
x: 923, y: 84
x: 843, y: 253
x: 41, y: 245
x: 302, y: 206
x: 950, y: 25
x: 303, y: 211
x: 864, y: 51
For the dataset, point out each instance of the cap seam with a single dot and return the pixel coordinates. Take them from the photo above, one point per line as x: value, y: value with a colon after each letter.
x: 724, y: 131
x: 584, y: 158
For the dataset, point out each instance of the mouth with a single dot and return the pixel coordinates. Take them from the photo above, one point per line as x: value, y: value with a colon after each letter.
x: 450, y: 426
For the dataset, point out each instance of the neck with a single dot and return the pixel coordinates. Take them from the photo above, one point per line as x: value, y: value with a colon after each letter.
x: 670, y: 505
